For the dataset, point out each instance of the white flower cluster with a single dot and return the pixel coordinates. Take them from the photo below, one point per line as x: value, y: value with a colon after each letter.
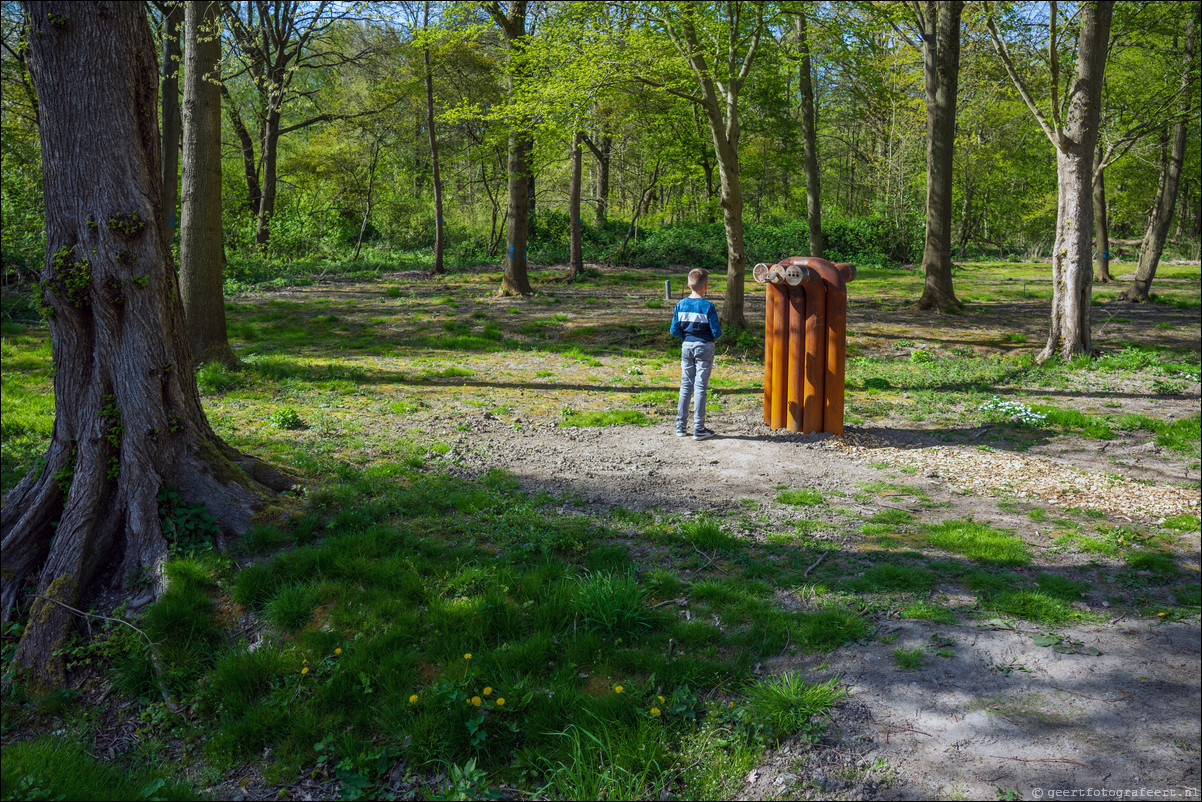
x: 1016, y: 410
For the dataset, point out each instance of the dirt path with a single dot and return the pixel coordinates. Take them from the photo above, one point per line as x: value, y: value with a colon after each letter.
x: 998, y: 714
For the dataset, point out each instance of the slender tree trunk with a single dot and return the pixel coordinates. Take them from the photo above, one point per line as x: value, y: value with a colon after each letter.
x: 1157, y: 233
x: 941, y: 54
x: 246, y: 145
x: 439, y: 229
x: 640, y: 207
x: 1070, y: 331
x: 371, y: 186
x: 809, y: 134
x: 174, y: 18
x: 271, y: 141
x: 128, y: 419
x: 201, y: 255
x: 577, y: 246
x: 601, y: 212
x: 1101, y: 229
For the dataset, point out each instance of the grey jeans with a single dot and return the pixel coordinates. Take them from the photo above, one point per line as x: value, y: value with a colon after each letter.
x: 696, y: 363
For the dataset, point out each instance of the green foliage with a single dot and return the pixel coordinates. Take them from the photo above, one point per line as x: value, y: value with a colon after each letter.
x: 187, y: 527
x: 286, y: 418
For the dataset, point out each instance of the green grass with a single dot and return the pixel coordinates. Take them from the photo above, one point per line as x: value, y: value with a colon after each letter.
x: 395, y: 571
x: 785, y: 705
x: 53, y: 768
x: 887, y: 577
x: 615, y: 417
x: 909, y: 659
x: 806, y: 497
x: 977, y: 541
x: 923, y: 610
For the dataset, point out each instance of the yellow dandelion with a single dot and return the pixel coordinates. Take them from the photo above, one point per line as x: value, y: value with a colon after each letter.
x: 655, y: 711
x: 467, y: 656
x: 488, y: 691
x: 476, y: 700
x: 731, y: 704
x: 618, y: 689
x: 305, y: 670
x: 338, y: 651
x: 500, y: 701
x: 661, y: 699
x: 1160, y: 613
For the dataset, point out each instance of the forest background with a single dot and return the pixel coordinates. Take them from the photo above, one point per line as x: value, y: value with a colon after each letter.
x: 351, y: 171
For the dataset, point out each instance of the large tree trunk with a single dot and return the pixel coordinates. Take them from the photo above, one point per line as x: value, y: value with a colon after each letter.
x: 577, y: 246
x: 941, y: 54
x: 128, y: 418
x: 515, y: 281
x: 1072, y: 275
x: 731, y: 315
x: 439, y: 229
x: 201, y: 254
x: 809, y: 134
x: 1161, y: 217
x: 173, y: 18
x: 1101, y: 228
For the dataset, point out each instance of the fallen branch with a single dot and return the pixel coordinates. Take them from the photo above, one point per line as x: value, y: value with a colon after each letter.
x: 155, y: 659
x: 1041, y: 760
x: 815, y: 565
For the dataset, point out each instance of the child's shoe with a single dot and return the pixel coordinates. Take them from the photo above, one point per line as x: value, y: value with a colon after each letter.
x: 680, y: 432
x: 701, y: 433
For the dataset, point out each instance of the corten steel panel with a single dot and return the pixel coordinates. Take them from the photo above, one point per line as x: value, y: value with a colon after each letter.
x: 815, y: 352
x: 780, y: 354
x: 805, y: 343
x: 796, y: 369
x: 769, y: 345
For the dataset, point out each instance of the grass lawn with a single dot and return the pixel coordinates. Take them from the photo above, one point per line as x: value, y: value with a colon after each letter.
x: 473, y: 639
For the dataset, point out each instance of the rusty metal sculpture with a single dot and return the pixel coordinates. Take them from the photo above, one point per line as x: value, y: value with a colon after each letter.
x: 805, y: 342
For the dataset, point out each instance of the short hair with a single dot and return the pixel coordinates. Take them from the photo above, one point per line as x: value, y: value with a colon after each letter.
x: 697, y: 277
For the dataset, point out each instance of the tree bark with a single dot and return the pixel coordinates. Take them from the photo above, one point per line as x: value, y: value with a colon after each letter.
x: 201, y: 254
x: 129, y: 419
x: 1157, y: 233
x: 439, y: 229
x: 941, y: 56
x: 577, y: 236
x: 173, y: 18
x: 809, y: 134
x: 1072, y: 275
x: 1101, y: 228
x: 719, y: 99
x: 271, y: 140
x: 604, y: 149
x: 250, y: 167
x: 515, y: 281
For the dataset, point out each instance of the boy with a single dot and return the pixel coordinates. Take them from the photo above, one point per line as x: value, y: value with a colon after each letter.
x: 695, y: 320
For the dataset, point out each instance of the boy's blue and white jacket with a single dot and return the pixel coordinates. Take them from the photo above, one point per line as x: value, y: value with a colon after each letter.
x: 696, y: 320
